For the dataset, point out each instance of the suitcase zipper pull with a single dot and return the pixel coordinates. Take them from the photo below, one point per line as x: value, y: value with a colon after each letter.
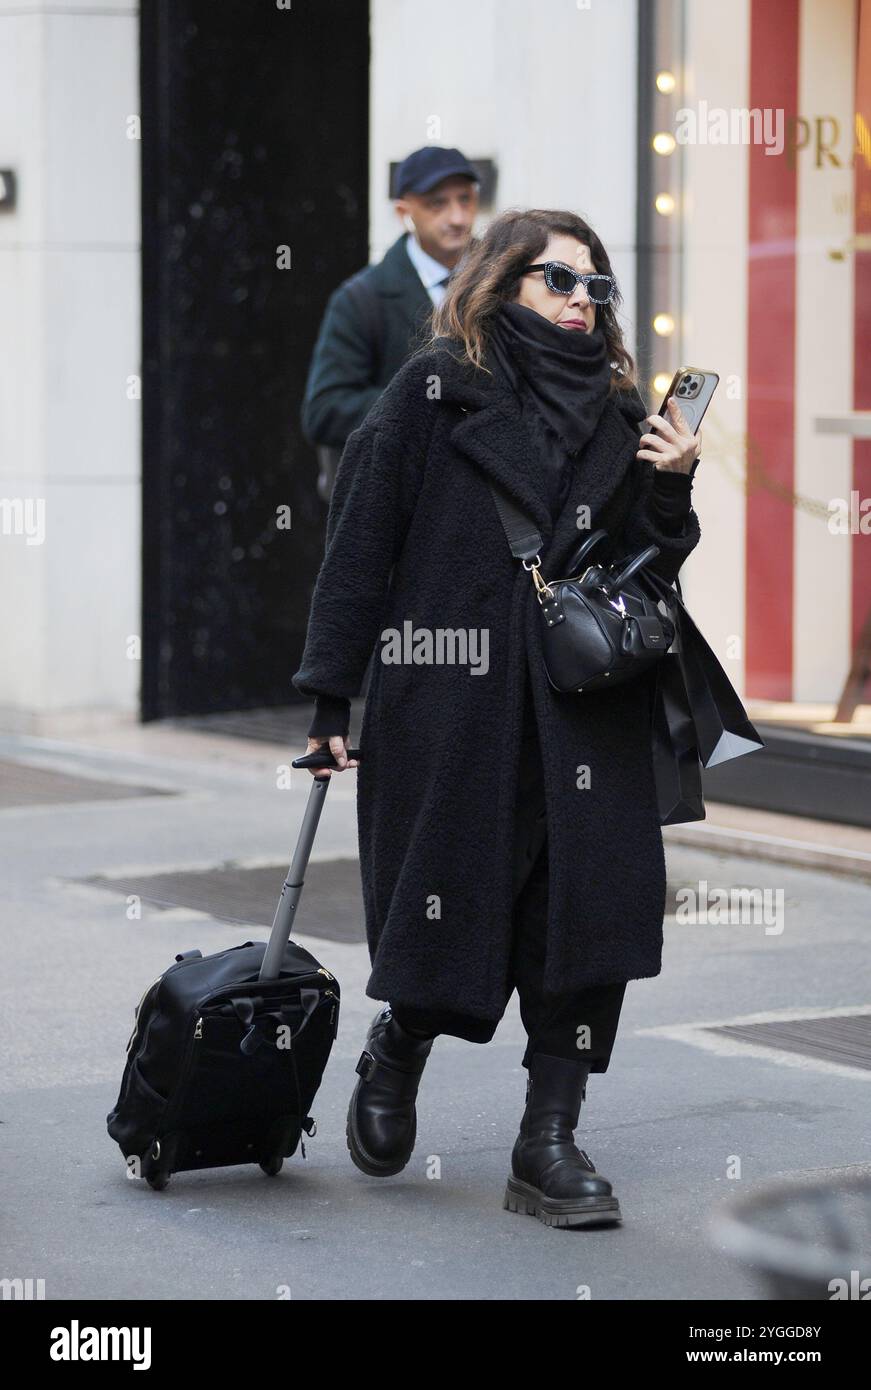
x: 198, y: 1031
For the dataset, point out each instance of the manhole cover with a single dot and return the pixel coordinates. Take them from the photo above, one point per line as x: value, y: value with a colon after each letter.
x: 23, y: 784
x: 331, y: 906
x: 842, y: 1038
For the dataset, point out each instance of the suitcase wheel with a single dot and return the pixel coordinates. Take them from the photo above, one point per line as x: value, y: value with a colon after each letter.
x: 272, y: 1165
x: 157, y: 1178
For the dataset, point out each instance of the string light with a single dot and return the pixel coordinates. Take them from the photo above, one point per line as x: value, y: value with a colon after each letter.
x: 663, y: 143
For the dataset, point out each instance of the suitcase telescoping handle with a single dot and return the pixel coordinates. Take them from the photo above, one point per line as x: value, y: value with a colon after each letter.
x: 285, y: 912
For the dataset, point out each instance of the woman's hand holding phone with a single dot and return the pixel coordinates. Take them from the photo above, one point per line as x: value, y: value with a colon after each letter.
x: 675, y: 447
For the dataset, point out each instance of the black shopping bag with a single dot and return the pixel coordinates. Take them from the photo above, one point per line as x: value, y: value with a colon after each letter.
x: 723, y: 730
x: 676, y: 767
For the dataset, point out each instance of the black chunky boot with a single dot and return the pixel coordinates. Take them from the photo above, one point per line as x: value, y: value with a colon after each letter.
x: 550, y: 1177
x: 382, y: 1121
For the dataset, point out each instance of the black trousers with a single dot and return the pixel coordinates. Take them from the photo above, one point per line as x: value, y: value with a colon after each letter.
x: 580, y: 1026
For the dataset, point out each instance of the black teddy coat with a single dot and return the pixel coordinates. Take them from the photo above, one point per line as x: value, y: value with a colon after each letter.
x: 413, y: 535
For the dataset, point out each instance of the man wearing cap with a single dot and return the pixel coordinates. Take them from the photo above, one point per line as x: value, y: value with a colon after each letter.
x: 378, y: 316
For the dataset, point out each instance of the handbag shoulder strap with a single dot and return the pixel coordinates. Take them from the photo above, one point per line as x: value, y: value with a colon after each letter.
x: 523, y: 538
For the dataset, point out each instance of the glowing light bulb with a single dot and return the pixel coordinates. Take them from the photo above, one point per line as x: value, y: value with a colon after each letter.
x: 663, y: 324
x: 666, y: 81
x: 664, y: 204
x: 663, y: 142
x: 660, y: 383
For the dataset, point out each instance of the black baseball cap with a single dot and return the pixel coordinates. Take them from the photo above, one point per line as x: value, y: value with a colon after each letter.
x: 422, y: 170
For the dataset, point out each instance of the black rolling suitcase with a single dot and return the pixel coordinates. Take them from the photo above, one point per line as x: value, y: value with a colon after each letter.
x: 228, y: 1050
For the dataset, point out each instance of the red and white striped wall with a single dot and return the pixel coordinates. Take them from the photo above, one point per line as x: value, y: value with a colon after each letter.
x: 777, y: 298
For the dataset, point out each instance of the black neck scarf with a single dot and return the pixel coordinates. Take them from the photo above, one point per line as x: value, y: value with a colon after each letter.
x: 564, y: 373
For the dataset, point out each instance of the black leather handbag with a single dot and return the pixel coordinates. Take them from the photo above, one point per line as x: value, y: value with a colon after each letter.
x: 601, y: 625
x: 606, y: 624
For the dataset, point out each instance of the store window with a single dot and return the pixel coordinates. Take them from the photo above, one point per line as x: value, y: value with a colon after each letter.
x: 755, y: 241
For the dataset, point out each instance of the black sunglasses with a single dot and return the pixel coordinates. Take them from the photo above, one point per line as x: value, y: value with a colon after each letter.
x: 561, y: 279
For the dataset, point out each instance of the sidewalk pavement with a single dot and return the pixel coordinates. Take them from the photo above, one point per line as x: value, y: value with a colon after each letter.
x: 679, y: 1104
x: 781, y: 839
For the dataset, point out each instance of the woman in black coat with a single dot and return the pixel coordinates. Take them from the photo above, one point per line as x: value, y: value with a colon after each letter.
x: 509, y: 835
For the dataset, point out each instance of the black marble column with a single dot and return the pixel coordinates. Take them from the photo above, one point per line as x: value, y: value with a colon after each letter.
x: 254, y: 137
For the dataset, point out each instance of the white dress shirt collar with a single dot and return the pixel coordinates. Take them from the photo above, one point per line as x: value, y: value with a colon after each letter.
x: 431, y: 271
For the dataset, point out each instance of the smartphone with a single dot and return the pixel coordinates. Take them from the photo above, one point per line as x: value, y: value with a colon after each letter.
x: 693, y: 390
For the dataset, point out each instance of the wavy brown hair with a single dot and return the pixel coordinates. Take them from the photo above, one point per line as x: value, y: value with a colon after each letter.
x: 490, y: 273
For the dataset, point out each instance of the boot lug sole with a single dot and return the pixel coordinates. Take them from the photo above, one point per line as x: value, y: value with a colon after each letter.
x: 522, y: 1197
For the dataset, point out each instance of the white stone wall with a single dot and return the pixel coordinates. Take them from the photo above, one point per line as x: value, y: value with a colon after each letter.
x: 69, y: 341
x: 547, y: 88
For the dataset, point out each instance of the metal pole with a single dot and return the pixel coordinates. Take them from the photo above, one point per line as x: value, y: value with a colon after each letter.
x: 285, y: 912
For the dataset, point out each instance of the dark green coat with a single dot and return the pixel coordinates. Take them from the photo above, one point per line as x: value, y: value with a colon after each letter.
x: 351, y: 363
